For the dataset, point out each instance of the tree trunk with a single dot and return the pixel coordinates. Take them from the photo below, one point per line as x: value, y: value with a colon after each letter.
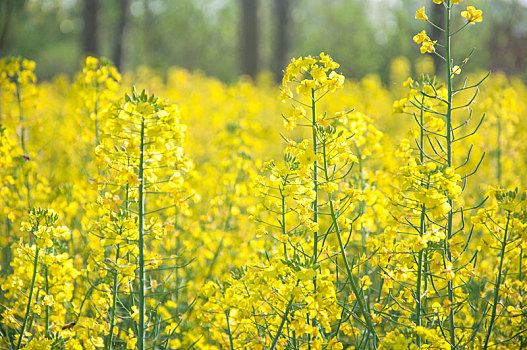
x: 150, y: 37
x: 282, y: 42
x: 124, y: 10
x: 90, y: 40
x: 508, y: 43
x: 249, y: 37
x: 7, y: 9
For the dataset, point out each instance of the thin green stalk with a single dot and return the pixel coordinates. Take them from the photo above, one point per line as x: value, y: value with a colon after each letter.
x: 362, y: 185
x: 284, y: 231
x: 96, y: 113
x: 21, y: 118
x: 176, y: 277
x: 284, y: 317
x: 32, y: 318
x: 449, y: 142
x: 498, y: 155
x: 354, y: 287
x: 23, y: 143
x: 315, y: 176
x: 422, y: 136
x: 178, y: 246
x: 114, y: 301
x: 29, y: 298
x: 47, y: 306
x: 418, y: 291
x: 422, y: 228
x: 520, y: 278
x: 141, y: 325
x: 229, y: 329
x: 315, y: 201
x: 7, y: 249
x: 520, y: 273
x: 498, y: 283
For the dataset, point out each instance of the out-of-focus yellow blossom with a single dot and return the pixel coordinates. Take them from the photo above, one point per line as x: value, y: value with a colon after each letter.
x: 408, y: 82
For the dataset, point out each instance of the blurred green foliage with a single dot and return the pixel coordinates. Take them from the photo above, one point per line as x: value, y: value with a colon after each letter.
x: 365, y: 36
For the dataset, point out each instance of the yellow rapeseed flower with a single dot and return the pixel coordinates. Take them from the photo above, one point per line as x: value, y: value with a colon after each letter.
x: 472, y: 15
x: 421, y: 37
x: 420, y: 14
x: 428, y: 46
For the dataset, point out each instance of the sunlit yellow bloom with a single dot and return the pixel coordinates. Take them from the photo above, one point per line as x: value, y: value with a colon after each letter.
x: 421, y: 37
x: 428, y: 46
x: 472, y: 15
x: 420, y: 14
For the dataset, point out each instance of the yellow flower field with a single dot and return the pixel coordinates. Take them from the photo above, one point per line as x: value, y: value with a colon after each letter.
x: 179, y: 212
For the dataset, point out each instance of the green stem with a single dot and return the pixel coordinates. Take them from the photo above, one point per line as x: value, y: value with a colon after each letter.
x: 449, y: 142
x: 284, y: 317
x: 418, y: 291
x: 422, y: 136
x: 29, y: 298
x: 209, y: 274
x: 96, y: 113
x: 520, y: 278
x: 229, y: 329
x: 315, y: 176
x: 315, y: 201
x: 47, y: 306
x: 498, y: 155
x: 6, y: 254
x: 23, y: 143
x: 21, y: 116
x: 32, y: 318
x: 362, y: 185
x: 422, y: 228
x: 498, y: 283
x: 354, y: 287
x: 114, y: 301
x: 141, y: 325
x: 284, y: 231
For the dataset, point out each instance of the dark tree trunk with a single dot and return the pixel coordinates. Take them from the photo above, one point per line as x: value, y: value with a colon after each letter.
x: 437, y: 16
x: 150, y: 37
x: 90, y: 39
x: 249, y: 37
x: 7, y: 14
x: 507, y: 43
x: 124, y: 10
x: 282, y: 42
x: 508, y: 50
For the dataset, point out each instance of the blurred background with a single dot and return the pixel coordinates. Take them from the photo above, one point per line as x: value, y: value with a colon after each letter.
x: 230, y: 38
